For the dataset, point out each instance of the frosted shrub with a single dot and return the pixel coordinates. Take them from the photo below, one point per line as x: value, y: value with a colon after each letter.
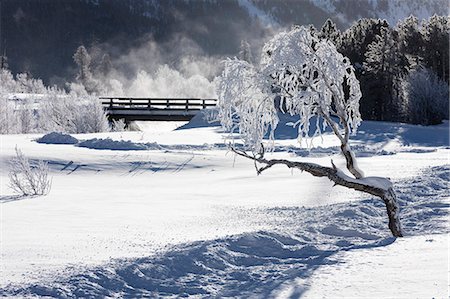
x: 73, y: 113
x: 27, y: 179
x: 426, y: 97
x: 118, y: 125
x: 29, y: 85
x: 90, y: 118
x: 7, y: 82
x: 8, y: 118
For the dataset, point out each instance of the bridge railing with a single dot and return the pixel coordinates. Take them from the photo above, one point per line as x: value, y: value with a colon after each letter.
x: 116, y: 103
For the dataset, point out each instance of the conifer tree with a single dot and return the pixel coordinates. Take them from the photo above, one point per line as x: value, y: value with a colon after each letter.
x: 84, y: 76
x: 411, y: 41
x: 330, y: 32
x: 436, y: 45
x: 385, y: 64
x: 245, y: 52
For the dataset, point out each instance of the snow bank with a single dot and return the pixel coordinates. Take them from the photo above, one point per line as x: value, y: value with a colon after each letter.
x: 57, y: 138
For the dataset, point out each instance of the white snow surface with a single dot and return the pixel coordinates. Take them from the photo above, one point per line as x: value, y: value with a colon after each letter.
x: 400, y: 267
x: 185, y: 217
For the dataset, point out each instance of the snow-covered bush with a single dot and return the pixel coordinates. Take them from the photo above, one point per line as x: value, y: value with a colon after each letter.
x: 73, y: 113
x: 27, y: 179
x: 29, y: 85
x: 22, y: 83
x: 314, y: 82
x: 426, y: 96
x: 7, y: 82
x: 118, y: 125
x: 8, y: 119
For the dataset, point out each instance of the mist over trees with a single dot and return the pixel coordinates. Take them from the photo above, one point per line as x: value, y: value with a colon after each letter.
x: 36, y: 38
x: 400, y: 68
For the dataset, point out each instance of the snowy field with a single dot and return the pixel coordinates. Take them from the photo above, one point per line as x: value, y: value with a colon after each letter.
x: 171, y: 212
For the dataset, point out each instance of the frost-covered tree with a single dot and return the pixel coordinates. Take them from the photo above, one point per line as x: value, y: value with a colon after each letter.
x: 83, y: 60
x: 314, y: 81
x: 84, y: 76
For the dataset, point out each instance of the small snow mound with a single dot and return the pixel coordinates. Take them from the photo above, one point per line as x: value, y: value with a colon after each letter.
x: 109, y: 144
x: 57, y: 138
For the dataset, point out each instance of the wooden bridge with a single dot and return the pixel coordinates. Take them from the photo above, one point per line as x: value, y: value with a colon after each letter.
x: 154, y: 108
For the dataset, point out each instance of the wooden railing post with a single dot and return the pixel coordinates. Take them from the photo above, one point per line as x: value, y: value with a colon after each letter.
x: 149, y: 104
x: 187, y: 104
x: 204, y: 103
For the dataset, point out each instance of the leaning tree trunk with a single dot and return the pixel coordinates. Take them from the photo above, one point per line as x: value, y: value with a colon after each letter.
x: 387, y: 193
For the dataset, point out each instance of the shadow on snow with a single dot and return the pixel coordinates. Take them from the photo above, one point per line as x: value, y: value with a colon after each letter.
x: 255, y: 264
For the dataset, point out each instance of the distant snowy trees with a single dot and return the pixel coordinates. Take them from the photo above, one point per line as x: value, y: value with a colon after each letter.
x: 314, y: 82
x: 27, y: 106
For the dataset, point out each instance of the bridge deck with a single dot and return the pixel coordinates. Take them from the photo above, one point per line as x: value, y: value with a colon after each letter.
x: 154, y: 108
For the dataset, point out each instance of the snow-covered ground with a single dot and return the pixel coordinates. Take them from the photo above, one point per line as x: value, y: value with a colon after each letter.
x: 168, y: 212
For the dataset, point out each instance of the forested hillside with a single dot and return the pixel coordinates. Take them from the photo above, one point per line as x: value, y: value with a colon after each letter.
x: 40, y: 37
